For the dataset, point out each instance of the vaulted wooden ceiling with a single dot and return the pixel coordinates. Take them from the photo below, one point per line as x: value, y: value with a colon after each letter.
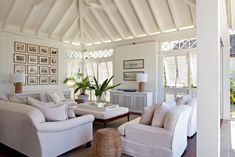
x: 103, y: 21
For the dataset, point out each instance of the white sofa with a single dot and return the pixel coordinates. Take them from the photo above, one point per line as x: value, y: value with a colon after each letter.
x: 24, y: 129
x: 192, y: 123
x: 147, y: 141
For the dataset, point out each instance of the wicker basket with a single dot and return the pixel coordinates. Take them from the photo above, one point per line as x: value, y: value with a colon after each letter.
x: 107, y: 143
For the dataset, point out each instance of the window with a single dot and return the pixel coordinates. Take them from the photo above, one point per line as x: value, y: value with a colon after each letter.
x: 180, y: 44
x: 176, y: 71
x: 193, y: 70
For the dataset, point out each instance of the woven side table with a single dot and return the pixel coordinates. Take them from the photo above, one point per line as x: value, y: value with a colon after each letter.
x: 107, y: 143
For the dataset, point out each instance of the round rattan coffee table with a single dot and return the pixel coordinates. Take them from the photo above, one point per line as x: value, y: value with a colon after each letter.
x: 107, y: 143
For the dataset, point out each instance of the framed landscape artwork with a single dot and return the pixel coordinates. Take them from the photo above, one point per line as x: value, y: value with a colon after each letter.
x: 54, y: 51
x: 32, y: 59
x: 43, y: 50
x: 131, y: 75
x: 32, y: 48
x: 43, y: 70
x: 43, y: 60
x: 20, y: 47
x: 32, y: 69
x: 32, y: 80
x: 43, y: 80
x: 133, y: 64
x: 19, y: 58
x: 53, y: 80
x: 19, y: 68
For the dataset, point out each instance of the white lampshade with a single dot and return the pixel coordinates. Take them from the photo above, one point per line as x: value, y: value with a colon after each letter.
x: 142, y: 77
x: 19, y: 77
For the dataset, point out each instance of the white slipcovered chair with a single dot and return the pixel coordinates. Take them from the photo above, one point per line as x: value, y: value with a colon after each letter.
x: 24, y: 129
x: 147, y: 141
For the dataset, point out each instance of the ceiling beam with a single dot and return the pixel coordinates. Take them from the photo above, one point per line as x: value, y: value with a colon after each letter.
x: 156, y: 15
x: 96, y: 14
x: 74, y: 36
x: 62, y: 18
x: 126, y: 21
x: 140, y: 19
x: 45, y: 17
x: 89, y: 36
x: 93, y: 27
x: 191, y: 9
x: 173, y: 13
x: 112, y: 19
x: 9, y: 11
x: 71, y: 26
x: 27, y: 16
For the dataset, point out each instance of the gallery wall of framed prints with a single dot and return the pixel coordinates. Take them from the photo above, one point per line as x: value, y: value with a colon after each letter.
x: 39, y: 63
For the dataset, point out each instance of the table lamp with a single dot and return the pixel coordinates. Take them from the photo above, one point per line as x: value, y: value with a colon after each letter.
x: 141, y: 78
x: 19, y: 79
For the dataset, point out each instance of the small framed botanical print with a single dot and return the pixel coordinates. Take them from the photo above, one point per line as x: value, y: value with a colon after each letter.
x: 53, y: 80
x: 43, y: 80
x: 32, y: 59
x: 54, y: 51
x: 32, y: 69
x: 43, y: 60
x: 54, y: 70
x: 19, y: 68
x: 43, y: 50
x: 32, y: 80
x: 32, y: 48
x: 43, y: 70
x: 19, y: 58
x: 53, y: 61
x: 20, y: 47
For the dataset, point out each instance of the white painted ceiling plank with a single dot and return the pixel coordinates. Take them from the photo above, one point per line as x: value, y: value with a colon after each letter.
x: 173, y: 13
x: 45, y: 17
x: 102, y: 24
x: 6, y: 18
x: 62, y: 18
x: 192, y: 12
x: 126, y: 21
x: 71, y: 26
x: 92, y: 26
x: 112, y: 20
x: 141, y: 21
x: 27, y: 16
x: 156, y: 15
x: 74, y: 37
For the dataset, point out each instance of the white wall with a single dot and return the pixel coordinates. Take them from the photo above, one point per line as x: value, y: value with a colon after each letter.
x: 146, y: 51
x: 6, y: 60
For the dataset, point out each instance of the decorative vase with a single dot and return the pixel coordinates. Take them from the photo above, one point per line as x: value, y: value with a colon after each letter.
x: 100, y: 99
x: 84, y: 97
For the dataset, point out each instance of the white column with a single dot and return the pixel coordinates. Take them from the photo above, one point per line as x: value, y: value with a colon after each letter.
x: 208, y: 136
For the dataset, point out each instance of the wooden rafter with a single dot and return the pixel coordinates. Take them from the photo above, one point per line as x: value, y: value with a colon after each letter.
x: 9, y: 11
x: 71, y: 26
x: 45, y: 17
x: 173, y: 13
x: 62, y: 18
x: 27, y: 17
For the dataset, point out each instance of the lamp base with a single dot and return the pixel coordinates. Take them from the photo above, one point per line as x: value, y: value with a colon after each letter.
x: 141, y: 86
x: 18, y: 87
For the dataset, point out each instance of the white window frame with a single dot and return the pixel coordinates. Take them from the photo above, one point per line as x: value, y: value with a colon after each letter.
x: 175, y: 90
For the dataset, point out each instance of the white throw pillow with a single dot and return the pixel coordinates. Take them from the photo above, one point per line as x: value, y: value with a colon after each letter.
x: 147, y: 115
x: 18, y: 99
x: 51, y: 112
x: 160, y: 113
x: 4, y: 98
x: 183, y: 100
x: 54, y: 97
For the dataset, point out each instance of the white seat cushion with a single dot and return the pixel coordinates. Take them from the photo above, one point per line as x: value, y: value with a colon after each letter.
x: 103, y: 114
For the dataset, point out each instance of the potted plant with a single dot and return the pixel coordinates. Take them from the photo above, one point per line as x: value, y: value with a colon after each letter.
x: 101, y: 89
x: 79, y: 82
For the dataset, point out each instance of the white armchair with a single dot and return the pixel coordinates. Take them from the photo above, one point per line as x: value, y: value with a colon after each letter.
x: 147, y: 141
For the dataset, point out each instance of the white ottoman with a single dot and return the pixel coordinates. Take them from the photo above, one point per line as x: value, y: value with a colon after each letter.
x: 105, y: 116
